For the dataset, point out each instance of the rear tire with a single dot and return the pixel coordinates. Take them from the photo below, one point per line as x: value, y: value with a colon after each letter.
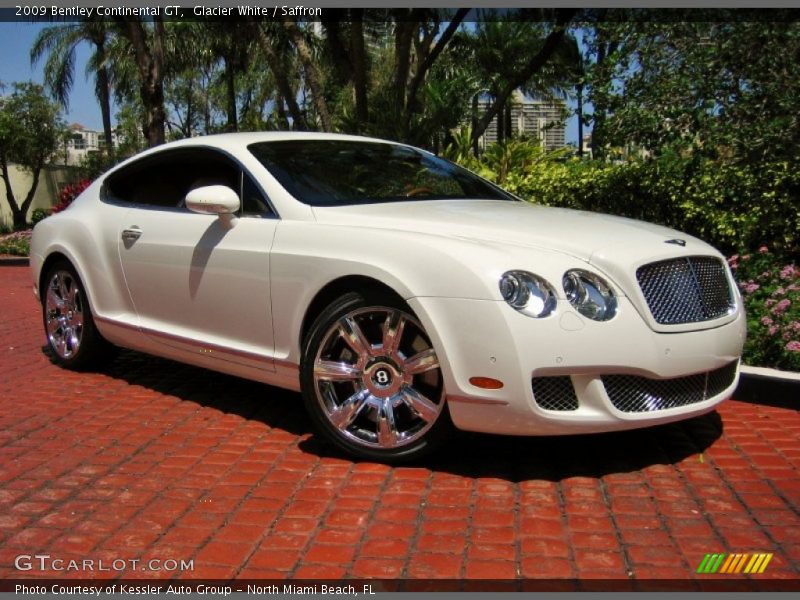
x: 371, y: 381
x: 72, y: 338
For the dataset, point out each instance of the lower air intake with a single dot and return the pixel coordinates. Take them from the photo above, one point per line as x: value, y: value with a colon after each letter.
x: 554, y: 393
x: 630, y: 393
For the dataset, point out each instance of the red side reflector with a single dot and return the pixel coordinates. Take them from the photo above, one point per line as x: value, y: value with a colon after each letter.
x: 486, y: 383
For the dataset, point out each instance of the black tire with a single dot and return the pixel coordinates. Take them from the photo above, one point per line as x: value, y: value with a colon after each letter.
x: 72, y: 338
x: 389, y: 401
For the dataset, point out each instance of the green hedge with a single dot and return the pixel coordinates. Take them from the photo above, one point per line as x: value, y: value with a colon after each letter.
x: 730, y: 206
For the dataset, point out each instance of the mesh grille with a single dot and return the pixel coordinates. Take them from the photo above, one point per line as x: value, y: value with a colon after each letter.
x: 629, y: 393
x: 554, y: 393
x: 685, y: 290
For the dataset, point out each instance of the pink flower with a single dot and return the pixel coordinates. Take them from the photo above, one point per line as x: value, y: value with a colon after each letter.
x: 793, y: 346
x: 770, y: 302
x: 781, y: 306
x: 773, y: 330
x: 751, y: 287
x: 763, y: 250
x: 779, y: 292
x: 766, y: 321
x: 788, y: 272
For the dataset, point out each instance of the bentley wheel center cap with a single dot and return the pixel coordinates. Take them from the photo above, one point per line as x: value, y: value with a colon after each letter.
x: 382, y: 379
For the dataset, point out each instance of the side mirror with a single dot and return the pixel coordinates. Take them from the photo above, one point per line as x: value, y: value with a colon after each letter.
x: 214, y: 200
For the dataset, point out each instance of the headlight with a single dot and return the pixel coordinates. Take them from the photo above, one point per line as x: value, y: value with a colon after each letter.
x: 528, y: 293
x: 590, y: 295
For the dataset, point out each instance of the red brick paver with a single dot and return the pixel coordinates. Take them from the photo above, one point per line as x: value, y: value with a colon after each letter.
x: 153, y: 459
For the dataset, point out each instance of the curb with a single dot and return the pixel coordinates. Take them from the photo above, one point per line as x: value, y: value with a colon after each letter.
x: 14, y: 261
x: 771, y: 387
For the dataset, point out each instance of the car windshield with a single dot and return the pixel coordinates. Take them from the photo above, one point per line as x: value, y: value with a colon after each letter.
x: 343, y: 172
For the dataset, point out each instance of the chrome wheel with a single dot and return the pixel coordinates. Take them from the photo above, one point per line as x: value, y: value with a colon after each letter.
x: 64, y: 314
x: 377, y: 379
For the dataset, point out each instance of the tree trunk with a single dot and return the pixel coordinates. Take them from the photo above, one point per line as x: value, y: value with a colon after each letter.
x: 150, y: 63
x: 12, y: 201
x: 359, y: 66
x: 427, y: 63
x: 105, y: 109
x: 534, y: 65
x: 342, y: 68
x: 281, y: 81
x: 19, y: 213
x: 579, y: 95
x: 230, y: 96
x: 403, y: 32
x: 313, y: 76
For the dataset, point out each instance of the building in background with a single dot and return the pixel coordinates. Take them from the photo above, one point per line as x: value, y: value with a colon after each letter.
x: 82, y: 142
x: 533, y: 118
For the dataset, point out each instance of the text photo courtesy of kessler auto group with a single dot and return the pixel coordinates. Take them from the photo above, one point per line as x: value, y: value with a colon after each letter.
x: 354, y: 300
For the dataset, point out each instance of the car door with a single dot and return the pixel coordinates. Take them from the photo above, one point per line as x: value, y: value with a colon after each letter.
x: 196, y: 284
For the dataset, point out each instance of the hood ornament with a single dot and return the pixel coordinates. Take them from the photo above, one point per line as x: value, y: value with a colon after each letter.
x: 677, y: 242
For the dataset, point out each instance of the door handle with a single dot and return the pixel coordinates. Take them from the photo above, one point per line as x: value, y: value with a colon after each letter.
x: 131, y: 234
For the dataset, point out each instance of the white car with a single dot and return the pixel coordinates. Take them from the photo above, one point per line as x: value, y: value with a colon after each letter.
x: 400, y: 293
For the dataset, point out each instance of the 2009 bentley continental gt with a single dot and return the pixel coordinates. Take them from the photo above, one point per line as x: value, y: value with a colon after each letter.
x: 400, y: 293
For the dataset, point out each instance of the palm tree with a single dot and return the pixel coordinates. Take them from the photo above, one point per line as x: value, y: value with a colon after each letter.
x: 515, y: 54
x: 60, y: 43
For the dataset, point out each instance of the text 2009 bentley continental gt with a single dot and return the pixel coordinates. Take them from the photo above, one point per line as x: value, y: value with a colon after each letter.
x: 400, y: 293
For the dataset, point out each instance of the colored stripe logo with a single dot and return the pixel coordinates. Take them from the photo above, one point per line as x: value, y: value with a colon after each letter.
x: 734, y: 563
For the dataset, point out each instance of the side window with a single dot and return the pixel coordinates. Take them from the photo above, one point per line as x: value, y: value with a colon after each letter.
x: 254, y: 204
x: 164, y: 179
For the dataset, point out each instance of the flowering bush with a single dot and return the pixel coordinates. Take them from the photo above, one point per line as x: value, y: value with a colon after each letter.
x: 16, y: 244
x: 69, y: 193
x: 771, y: 293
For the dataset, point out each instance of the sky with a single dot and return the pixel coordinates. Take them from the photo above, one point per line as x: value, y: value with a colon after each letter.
x: 16, y: 40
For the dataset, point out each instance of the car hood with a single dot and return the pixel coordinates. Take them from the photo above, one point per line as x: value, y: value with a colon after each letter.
x: 592, y: 237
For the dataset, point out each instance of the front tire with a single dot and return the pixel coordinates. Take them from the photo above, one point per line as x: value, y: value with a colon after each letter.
x: 371, y: 380
x: 72, y: 337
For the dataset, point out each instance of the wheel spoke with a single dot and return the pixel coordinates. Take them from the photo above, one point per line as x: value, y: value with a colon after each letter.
x: 53, y: 301
x: 419, y: 404
x: 63, y: 287
x: 53, y: 324
x: 335, y: 371
x: 354, y: 336
x: 392, y: 332
x: 419, y: 363
x: 343, y: 416
x: 73, y: 341
x: 61, y: 346
x: 72, y: 296
x: 387, y: 428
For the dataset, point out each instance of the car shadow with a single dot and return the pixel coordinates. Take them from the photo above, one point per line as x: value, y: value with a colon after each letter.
x: 509, y: 458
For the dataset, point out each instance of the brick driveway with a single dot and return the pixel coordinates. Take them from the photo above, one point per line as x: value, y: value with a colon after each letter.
x: 155, y: 459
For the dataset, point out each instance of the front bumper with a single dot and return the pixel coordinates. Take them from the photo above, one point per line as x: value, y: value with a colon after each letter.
x: 479, y: 338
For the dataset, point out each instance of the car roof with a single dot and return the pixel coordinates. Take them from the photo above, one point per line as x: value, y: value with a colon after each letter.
x: 227, y: 140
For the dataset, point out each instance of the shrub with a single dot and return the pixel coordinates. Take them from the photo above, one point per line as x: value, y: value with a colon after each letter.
x: 771, y: 292
x: 726, y: 204
x: 69, y: 193
x: 16, y: 244
x: 37, y: 215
